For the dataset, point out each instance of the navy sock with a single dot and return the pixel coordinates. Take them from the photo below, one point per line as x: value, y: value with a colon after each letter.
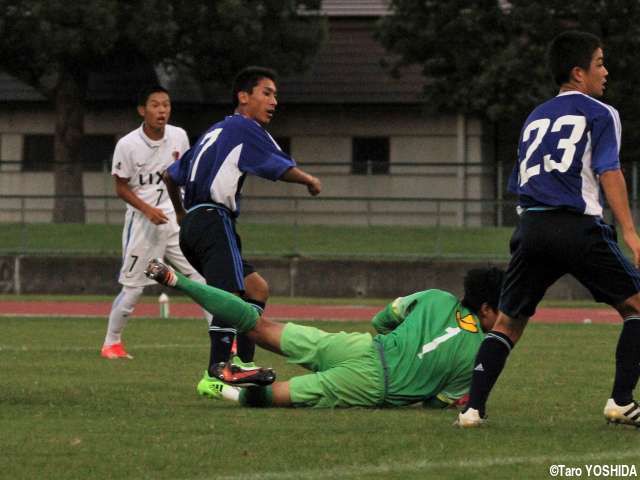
x: 221, y: 341
x: 627, y: 361
x: 489, y: 363
x: 246, y: 348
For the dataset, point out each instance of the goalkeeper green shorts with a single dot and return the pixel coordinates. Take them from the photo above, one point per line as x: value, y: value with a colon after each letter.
x: 348, y: 371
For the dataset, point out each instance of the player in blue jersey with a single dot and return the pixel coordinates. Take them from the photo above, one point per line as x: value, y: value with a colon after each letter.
x: 212, y: 173
x: 568, y: 151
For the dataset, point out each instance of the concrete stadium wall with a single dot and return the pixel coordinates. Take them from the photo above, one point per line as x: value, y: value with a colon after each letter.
x: 318, y: 136
x: 286, y: 277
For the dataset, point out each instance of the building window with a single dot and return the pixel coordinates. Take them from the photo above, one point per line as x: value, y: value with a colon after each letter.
x: 96, y: 152
x: 37, y: 154
x: 284, y: 143
x: 370, y: 155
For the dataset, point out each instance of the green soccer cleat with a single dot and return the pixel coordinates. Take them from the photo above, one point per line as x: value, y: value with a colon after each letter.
x: 237, y: 361
x: 210, y: 387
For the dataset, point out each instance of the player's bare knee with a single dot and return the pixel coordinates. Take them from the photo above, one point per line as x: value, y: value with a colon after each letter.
x: 630, y: 307
x: 267, y: 334
x: 256, y: 287
x: 512, y: 327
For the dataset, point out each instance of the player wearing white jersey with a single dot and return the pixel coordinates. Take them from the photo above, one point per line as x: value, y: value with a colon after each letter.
x: 150, y: 228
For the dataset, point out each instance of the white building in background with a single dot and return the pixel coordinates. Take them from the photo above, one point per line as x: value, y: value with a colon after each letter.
x: 382, y: 159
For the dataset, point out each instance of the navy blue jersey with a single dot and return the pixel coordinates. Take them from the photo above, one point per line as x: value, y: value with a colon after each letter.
x: 565, y: 144
x: 213, y: 170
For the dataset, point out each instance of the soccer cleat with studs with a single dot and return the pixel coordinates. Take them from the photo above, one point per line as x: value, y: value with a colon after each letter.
x: 210, y: 387
x: 244, y: 376
x: 161, y: 273
x: 236, y: 360
x: 114, y: 352
x: 622, y: 414
x: 470, y: 418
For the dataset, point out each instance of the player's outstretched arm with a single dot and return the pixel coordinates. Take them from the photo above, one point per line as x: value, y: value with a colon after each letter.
x: 615, y: 190
x: 392, y: 315
x: 123, y: 190
x: 387, y: 319
x: 296, y: 175
x: 173, y: 190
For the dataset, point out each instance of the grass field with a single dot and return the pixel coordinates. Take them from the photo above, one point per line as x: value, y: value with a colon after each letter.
x: 278, y: 240
x: 67, y: 414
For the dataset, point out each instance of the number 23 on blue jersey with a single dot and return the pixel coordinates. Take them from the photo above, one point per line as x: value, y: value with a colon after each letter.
x: 531, y: 164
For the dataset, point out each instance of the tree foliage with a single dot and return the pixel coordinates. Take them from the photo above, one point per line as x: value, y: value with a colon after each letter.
x: 217, y: 38
x: 487, y: 57
x: 55, y: 45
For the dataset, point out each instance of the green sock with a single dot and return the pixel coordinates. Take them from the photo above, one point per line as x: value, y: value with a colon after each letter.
x: 226, y: 306
x: 256, y: 396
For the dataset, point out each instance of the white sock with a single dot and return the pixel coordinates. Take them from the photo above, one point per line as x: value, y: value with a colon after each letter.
x: 122, y: 307
x: 231, y: 393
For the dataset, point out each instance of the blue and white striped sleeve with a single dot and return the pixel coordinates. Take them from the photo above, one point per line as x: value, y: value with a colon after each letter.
x: 179, y: 170
x: 605, y: 141
x: 262, y: 156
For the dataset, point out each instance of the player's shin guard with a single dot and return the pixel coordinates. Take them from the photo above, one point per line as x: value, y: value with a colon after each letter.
x: 256, y: 397
x: 225, y: 307
x: 221, y: 341
x: 490, y: 361
x: 627, y: 361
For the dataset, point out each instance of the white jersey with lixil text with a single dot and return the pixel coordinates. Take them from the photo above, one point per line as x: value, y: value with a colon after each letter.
x: 143, y: 160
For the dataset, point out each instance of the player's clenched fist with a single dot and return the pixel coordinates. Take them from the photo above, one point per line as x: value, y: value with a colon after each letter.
x: 314, y: 186
x: 155, y: 215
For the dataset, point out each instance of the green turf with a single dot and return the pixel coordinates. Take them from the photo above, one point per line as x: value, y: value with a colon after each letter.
x: 66, y: 413
x: 278, y: 240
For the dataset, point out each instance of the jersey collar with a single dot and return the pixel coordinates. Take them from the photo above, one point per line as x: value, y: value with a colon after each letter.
x: 569, y: 92
x: 150, y: 142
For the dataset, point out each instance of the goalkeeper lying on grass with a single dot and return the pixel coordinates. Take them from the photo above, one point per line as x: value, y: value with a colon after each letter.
x: 424, y: 351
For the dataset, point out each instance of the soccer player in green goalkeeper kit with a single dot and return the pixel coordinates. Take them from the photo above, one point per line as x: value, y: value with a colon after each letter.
x: 424, y: 350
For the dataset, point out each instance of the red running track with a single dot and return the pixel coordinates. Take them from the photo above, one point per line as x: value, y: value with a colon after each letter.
x: 275, y: 312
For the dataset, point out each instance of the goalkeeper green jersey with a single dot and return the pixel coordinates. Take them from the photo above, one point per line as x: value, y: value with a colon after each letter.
x: 428, y: 343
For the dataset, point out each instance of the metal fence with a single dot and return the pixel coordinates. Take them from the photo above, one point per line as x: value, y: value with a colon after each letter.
x: 338, y: 210
x: 408, y: 194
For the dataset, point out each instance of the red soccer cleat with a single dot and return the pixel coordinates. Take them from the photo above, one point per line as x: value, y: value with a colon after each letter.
x: 244, y: 376
x: 114, y: 351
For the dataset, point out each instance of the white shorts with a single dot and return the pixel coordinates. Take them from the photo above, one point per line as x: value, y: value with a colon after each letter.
x: 142, y: 241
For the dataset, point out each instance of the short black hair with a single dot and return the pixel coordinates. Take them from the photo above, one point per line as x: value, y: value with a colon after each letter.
x: 482, y: 285
x: 147, y: 91
x: 247, y: 78
x: 568, y: 50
